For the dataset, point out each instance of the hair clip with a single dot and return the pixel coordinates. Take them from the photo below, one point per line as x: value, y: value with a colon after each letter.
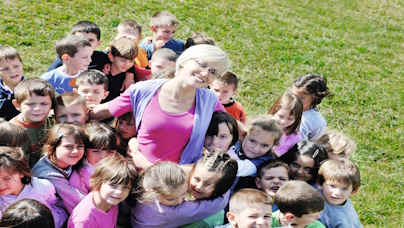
x: 60, y: 135
x: 315, y: 153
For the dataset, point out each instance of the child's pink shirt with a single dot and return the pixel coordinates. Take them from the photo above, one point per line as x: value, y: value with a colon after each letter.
x: 80, y: 178
x: 286, y: 142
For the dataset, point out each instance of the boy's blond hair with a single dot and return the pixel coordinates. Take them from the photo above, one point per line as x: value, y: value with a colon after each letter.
x: 68, y: 99
x: 8, y: 52
x: 36, y: 86
x: 342, y: 171
x: 123, y: 47
x: 92, y: 76
x: 129, y: 24
x: 165, y: 54
x: 298, y: 198
x: 163, y: 18
x: 248, y: 196
x: 337, y: 143
x: 70, y: 45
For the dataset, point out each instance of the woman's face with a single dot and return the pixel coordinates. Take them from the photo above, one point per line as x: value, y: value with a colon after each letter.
x: 221, y: 141
x: 197, y: 73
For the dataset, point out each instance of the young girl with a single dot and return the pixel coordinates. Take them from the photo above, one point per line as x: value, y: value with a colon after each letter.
x: 111, y: 184
x: 162, y: 190
x: 64, y: 148
x: 12, y: 135
x: 102, y: 143
x: 222, y: 132
x: 287, y: 110
x: 311, y: 89
x: 337, y: 144
x: 16, y: 183
x: 304, y: 160
x: 126, y: 128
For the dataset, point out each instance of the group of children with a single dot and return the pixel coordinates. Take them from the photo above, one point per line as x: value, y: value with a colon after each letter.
x: 285, y: 170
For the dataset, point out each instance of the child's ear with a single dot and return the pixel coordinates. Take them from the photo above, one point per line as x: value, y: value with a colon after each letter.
x: 98, y: 43
x: 48, y: 148
x: 75, y: 90
x: 232, y: 218
x: 319, y: 186
x: 354, y: 191
x: 258, y: 183
x: 106, y: 93
x: 65, y: 57
x: 234, y: 92
x: 290, y: 218
x: 16, y: 105
x: 110, y: 57
x: 150, y: 63
x: 153, y: 28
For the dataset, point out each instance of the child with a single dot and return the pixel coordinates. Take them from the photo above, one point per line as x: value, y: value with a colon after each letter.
x: 337, y: 144
x: 163, y: 25
x: 287, y: 110
x: 111, y: 183
x: 12, y: 135
x: 222, y: 132
x: 17, y: 183
x: 93, y: 86
x: 91, y: 32
x: 339, y: 180
x: 162, y: 190
x: 249, y: 208
x: 166, y: 73
x: 11, y: 73
x: 311, y: 88
x: 34, y: 98
x: 64, y: 148
x: 102, y: 143
x: 71, y: 108
x: 271, y: 175
x: 299, y: 206
x: 126, y: 129
x: 27, y: 213
x: 225, y: 88
x: 198, y: 38
x: 304, y: 160
x: 75, y: 52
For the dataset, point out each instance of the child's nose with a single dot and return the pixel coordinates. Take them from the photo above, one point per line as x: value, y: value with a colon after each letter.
x: 260, y: 220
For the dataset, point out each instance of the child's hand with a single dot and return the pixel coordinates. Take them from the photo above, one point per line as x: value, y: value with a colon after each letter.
x: 135, y: 157
x: 159, y: 44
x: 129, y: 80
x: 106, y: 68
x: 147, y: 40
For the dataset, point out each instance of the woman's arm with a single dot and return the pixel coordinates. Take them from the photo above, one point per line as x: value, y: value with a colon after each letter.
x: 100, y: 112
x: 135, y: 157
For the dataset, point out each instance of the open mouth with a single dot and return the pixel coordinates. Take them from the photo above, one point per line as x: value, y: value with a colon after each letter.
x: 274, y: 188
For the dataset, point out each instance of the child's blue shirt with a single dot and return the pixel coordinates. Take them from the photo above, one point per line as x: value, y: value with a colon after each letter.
x: 176, y: 45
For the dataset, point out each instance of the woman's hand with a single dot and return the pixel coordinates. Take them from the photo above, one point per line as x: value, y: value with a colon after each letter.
x: 135, y: 157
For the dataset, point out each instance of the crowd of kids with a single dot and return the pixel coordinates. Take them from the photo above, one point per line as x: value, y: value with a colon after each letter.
x: 59, y: 168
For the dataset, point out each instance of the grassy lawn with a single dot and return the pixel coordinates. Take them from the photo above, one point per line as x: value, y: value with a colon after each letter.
x: 357, y: 45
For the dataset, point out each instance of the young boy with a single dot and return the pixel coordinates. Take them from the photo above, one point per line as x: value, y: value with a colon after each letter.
x: 225, y: 88
x: 198, y: 38
x: 271, y: 175
x: 71, y: 108
x: 75, y: 52
x: 249, y: 208
x: 11, y: 73
x: 93, y: 86
x: 91, y: 32
x: 163, y: 25
x: 34, y: 98
x: 337, y: 144
x: 299, y: 206
x: 338, y: 180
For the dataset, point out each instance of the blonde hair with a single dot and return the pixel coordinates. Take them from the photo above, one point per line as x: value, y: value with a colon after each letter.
x: 342, y: 171
x: 68, y: 99
x: 162, y: 18
x: 129, y: 24
x: 245, y: 197
x: 115, y: 170
x: 166, y: 73
x: 269, y: 124
x: 337, y: 143
x: 162, y: 178
x: 123, y: 47
x: 209, y: 54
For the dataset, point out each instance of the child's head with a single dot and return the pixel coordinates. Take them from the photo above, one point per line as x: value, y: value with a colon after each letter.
x: 27, y: 213
x: 339, y: 179
x: 75, y: 52
x: 165, y: 181
x: 299, y: 202
x: 102, y: 142
x: 250, y: 208
x: 125, y: 125
x: 161, y: 59
x: 122, y: 53
x: 11, y: 69
x: 71, y: 108
x: 163, y: 25
x: 222, y: 132
x: 165, y: 73
x: 271, y: 175
x: 304, y: 160
x: 113, y: 179
x: 130, y: 29
x: 311, y: 88
x: 198, y: 38
x: 225, y: 87
x: 263, y: 133
x: 88, y: 30
x: 34, y: 98
x: 92, y: 85
x: 12, y: 135
x: 14, y: 171
x: 65, y: 145
x: 212, y: 175
x: 288, y: 110
x: 337, y: 144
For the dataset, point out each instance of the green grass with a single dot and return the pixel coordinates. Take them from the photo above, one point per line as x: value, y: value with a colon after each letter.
x: 357, y: 45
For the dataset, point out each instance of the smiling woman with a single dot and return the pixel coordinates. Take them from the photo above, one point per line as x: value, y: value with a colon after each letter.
x: 181, y: 107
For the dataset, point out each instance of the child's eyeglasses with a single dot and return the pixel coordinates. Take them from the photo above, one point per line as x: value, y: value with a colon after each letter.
x: 212, y: 73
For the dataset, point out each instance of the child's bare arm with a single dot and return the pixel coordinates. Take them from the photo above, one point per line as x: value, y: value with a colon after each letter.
x: 100, y: 112
x: 129, y: 80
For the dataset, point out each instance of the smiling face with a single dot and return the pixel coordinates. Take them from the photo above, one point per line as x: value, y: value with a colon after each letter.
x: 120, y: 64
x: 336, y: 193
x: 81, y: 60
x: 221, y: 141
x: 301, y: 168
x: 203, y: 182
x: 74, y: 114
x: 272, y: 180
x: 196, y: 73
x: 35, y: 108
x: 11, y: 72
x: 94, y: 156
x: 284, y: 118
x: 93, y: 93
x: 176, y: 197
x: 223, y: 91
x: 10, y: 183
x: 69, y: 152
x: 164, y: 32
x: 255, y: 215
x: 257, y: 142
